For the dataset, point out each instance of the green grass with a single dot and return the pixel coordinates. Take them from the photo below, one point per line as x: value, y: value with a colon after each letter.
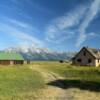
x: 72, y: 72
x: 18, y: 80
x: 23, y: 83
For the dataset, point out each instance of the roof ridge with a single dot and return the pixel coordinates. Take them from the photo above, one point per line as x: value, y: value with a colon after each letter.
x: 92, y: 48
x: 95, y: 52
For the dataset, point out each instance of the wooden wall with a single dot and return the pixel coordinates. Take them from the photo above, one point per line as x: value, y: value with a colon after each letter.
x: 4, y: 62
x: 9, y: 62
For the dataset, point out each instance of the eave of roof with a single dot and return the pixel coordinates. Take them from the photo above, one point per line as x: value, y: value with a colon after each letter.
x: 10, y: 56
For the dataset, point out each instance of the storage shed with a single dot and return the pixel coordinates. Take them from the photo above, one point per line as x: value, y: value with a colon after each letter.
x: 11, y: 58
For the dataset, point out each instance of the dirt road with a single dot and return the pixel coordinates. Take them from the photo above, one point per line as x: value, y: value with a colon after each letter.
x: 55, y: 92
x: 51, y: 92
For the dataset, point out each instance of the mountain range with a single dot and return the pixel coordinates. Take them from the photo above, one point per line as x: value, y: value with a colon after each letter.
x: 40, y: 54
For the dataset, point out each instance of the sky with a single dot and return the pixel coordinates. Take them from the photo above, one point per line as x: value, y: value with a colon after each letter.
x: 62, y: 25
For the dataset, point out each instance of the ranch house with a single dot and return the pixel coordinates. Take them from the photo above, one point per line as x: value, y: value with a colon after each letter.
x: 87, y: 57
x: 11, y: 58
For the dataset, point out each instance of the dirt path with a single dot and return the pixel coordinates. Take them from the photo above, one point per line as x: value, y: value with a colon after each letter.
x: 51, y: 92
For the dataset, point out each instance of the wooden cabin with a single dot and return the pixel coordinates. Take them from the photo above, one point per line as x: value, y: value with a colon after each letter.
x: 87, y: 57
x: 11, y: 58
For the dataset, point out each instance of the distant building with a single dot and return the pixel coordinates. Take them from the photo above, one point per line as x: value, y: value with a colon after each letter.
x: 87, y: 57
x: 11, y: 58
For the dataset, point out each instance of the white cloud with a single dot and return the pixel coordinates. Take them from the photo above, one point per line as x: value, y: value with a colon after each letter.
x: 81, y: 39
x: 93, y: 10
x: 59, y: 29
x: 18, y: 23
x: 70, y: 19
x: 22, y: 25
x: 16, y: 33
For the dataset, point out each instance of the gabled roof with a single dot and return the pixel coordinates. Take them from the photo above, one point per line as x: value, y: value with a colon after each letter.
x: 10, y: 56
x: 94, y: 52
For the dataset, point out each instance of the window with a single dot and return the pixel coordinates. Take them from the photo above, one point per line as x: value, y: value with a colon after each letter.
x: 89, y: 60
x: 79, y: 60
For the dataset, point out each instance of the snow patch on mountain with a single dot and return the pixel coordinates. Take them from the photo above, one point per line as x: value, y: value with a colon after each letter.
x: 33, y: 53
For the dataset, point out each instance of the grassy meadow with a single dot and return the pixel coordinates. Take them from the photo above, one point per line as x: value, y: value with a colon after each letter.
x: 19, y: 82
x: 40, y: 79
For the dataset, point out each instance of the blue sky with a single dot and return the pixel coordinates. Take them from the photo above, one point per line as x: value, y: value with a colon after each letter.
x: 62, y: 25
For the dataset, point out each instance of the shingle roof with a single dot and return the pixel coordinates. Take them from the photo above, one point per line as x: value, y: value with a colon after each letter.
x: 94, y: 52
x: 10, y: 56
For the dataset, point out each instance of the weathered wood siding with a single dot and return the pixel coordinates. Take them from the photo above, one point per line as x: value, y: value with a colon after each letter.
x: 9, y: 62
x: 18, y: 62
x: 4, y: 62
x: 85, y: 58
x: 27, y: 62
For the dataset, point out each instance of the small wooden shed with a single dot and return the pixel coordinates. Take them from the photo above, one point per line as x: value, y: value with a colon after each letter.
x: 11, y: 58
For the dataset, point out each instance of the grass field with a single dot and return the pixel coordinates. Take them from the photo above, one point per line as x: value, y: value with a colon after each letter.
x: 73, y: 72
x: 18, y: 81
x: 48, y: 81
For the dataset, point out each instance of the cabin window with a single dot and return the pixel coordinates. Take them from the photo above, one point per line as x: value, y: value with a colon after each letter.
x: 79, y: 60
x: 84, y: 53
x: 89, y: 60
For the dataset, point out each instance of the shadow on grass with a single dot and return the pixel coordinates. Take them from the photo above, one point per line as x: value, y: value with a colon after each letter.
x: 83, y: 85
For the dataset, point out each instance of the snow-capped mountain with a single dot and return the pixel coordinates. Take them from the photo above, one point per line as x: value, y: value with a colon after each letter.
x: 33, y: 53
